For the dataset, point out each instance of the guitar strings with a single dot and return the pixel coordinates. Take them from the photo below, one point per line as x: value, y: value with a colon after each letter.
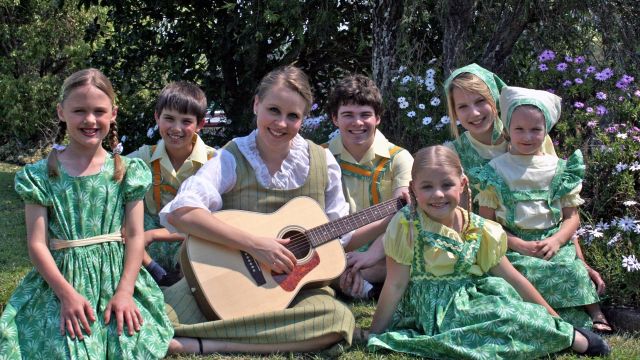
x: 298, y: 242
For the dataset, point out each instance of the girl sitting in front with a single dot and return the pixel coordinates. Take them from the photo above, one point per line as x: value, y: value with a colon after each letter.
x: 437, y: 300
x: 535, y: 197
x: 86, y: 297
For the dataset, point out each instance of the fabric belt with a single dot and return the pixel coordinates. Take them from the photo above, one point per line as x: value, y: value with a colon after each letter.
x: 57, y: 244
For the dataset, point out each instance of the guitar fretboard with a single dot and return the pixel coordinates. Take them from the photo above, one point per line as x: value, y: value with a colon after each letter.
x: 331, y: 230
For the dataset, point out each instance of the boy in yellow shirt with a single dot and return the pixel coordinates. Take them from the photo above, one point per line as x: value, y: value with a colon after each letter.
x: 373, y: 170
x: 179, y: 113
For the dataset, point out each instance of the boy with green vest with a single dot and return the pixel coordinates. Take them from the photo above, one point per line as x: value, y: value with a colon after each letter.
x: 179, y: 113
x: 373, y: 170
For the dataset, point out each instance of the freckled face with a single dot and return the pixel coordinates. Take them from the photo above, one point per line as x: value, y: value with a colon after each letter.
x: 527, y: 131
x: 474, y: 112
x: 438, y: 190
x: 279, y: 116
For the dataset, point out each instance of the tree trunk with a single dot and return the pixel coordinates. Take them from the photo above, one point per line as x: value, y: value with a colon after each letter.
x: 387, y: 15
x: 458, y: 17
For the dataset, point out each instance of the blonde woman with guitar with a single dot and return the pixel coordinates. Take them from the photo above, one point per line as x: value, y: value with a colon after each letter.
x: 260, y: 173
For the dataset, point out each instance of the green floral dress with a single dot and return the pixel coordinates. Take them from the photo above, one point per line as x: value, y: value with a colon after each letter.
x: 562, y: 280
x: 464, y: 314
x: 78, y: 208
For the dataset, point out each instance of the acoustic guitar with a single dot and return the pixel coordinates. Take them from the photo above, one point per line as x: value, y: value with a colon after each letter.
x: 228, y: 283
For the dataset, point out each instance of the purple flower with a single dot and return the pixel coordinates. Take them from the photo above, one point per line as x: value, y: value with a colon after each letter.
x: 589, y: 109
x: 578, y: 81
x: 635, y: 129
x: 591, y: 124
x: 543, y: 67
x: 601, y: 95
x: 611, y: 129
x: 578, y: 105
x: 551, y: 91
x: 601, y: 110
x: 627, y: 79
x: 556, y: 142
x: 561, y: 66
x: 579, y: 60
x: 636, y: 138
x: 568, y: 58
x: 567, y: 83
x: 621, y: 85
x: 314, y: 107
x: 621, y: 98
x: 637, y: 93
x: 546, y: 55
x: 578, y: 70
x: 591, y: 69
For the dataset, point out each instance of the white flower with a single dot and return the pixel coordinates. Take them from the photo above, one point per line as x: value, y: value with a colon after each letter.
x: 435, y: 101
x: 621, y: 135
x: 630, y: 203
x: 620, y: 167
x: 439, y: 126
x: 430, y: 73
x: 626, y: 224
x: 637, y: 229
x: 150, y: 133
x: 445, y: 119
x: 596, y: 233
x: 411, y: 114
x: 614, y: 239
x: 430, y: 87
x: 401, y: 99
x: 426, y: 120
x: 334, y: 134
x: 405, y: 79
x: 635, y: 166
x: 602, y: 225
x: 123, y: 138
x: 429, y: 82
x: 630, y: 263
x: 402, y: 68
x: 404, y: 105
x: 394, y: 79
x: 421, y: 106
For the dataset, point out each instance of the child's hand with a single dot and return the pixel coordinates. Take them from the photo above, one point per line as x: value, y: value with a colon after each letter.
x: 75, y: 315
x: 597, y: 279
x: 149, y: 237
x: 360, y: 335
x: 351, y: 282
x: 548, y: 248
x: 360, y: 260
x: 125, y: 310
x: 529, y: 248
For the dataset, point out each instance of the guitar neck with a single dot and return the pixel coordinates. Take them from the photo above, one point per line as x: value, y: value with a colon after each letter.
x: 333, y: 229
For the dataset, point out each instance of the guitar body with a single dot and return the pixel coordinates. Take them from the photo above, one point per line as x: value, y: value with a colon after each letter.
x: 220, y: 277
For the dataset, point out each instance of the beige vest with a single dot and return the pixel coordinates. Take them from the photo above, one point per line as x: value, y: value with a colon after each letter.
x: 248, y: 194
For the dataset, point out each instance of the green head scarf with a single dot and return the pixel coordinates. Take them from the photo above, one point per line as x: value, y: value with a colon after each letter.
x: 493, y: 82
x: 548, y: 103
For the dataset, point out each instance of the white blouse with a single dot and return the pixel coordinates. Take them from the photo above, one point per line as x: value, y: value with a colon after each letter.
x: 218, y: 176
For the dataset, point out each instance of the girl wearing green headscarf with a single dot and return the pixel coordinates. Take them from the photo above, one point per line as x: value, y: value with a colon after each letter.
x: 473, y: 94
x: 535, y: 197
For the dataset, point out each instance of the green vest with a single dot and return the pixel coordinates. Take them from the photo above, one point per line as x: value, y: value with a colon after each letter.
x: 249, y: 195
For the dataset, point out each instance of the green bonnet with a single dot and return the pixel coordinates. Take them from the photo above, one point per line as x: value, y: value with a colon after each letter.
x: 548, y: 103
x: 493, y: 82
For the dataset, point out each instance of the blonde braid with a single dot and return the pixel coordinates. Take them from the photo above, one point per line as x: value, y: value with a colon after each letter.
x: 118, y: 171
x: 52, y: 159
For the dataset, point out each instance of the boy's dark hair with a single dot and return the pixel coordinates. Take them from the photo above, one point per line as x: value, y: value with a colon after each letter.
x: 355, y: 90
x: 183, y: 97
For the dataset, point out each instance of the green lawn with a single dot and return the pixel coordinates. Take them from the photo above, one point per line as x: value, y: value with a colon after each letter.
x: 14, y: 263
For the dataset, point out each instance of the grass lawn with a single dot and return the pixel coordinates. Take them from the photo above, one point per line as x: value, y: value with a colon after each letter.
x: 14, y: 263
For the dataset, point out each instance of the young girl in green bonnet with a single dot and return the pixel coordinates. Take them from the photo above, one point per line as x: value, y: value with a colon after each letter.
x: 535, y: 197
x: 87, y: 297
x: 438, y: 300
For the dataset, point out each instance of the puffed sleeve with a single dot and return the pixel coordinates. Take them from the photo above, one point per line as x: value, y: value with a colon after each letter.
x: 488, y: 198
x: 571, y: 181
x: 487, y: 185
x: 136, y: 180
x: 402, y: 164
x: 396, y: 239
x: 32, y: 184
x: 493, y: 245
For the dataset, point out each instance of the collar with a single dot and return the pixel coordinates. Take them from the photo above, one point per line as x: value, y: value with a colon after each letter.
x: 380, y: 147
x: 198, y: 153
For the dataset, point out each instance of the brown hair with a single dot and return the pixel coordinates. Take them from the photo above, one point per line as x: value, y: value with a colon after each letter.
x: 355, y: 90
x: 432, y: 156
x: 183, y: 97
x: 471, y: 83
x: 76, y: 80
x: 293, y: 78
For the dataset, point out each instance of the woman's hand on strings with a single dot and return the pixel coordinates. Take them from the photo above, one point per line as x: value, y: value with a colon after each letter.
x: 273, y: 253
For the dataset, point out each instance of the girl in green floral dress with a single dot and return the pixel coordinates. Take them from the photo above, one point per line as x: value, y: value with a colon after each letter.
x: 535, y: 197
x: 439, y: 302
x: 87, y: 297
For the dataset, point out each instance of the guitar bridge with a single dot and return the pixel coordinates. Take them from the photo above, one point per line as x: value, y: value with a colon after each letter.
x: 254, y: 268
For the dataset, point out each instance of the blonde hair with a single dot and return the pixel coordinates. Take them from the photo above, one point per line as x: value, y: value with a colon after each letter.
x: 293, y: 78
x: 471, y: 83
x: 434, y: 156
x: 96, y: 78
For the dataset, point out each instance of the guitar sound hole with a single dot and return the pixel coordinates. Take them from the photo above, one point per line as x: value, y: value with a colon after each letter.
x: 299, y: 244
